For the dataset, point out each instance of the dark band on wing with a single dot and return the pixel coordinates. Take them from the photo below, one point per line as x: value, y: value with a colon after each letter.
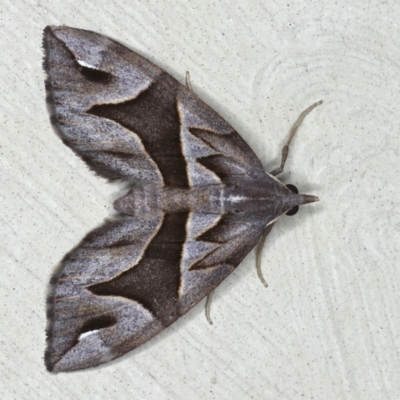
x: 154, y: 117
x: 154, y: 282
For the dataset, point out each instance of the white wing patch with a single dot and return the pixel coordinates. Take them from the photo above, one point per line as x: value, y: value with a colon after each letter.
x: 85, y: 64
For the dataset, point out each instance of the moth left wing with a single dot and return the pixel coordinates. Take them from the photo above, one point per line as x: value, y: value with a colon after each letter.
x: 129, y: 279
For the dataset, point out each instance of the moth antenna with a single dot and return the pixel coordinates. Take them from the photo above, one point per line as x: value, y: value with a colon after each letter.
x: 259, y: 252
x: 208, y: 307
x: 188, y: 84
x: 285, y: 150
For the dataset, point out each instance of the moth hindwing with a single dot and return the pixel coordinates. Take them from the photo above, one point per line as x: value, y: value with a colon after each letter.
x: 198, y: 202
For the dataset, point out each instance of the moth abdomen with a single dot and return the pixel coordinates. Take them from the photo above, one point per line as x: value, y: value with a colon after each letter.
x: 140, y: 200
x: 150, y: 200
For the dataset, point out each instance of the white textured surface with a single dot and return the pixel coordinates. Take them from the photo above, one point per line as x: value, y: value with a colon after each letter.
x: 328, y: 325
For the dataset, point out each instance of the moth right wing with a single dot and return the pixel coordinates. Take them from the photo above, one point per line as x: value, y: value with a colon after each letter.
x: 85, y: 69
x: 130, y: 120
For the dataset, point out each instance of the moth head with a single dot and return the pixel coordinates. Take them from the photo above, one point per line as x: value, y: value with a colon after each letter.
x: 297, y: 200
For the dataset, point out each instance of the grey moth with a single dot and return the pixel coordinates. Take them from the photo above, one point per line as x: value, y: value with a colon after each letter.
x: 198, y: 201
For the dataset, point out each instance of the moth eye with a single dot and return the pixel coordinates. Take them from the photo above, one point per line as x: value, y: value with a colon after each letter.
x: 96, y: 324
x: 95, y: 75
x: 292, y: 188
x: 295, y: 209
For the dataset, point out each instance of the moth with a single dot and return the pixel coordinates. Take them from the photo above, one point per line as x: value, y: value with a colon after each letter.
x: 198, y: 201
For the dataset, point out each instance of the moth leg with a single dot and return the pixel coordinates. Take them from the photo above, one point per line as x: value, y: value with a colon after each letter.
x: 285, y: 150
x: 208, y: 307
x: 259, y: 252
x: 188, y: 84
